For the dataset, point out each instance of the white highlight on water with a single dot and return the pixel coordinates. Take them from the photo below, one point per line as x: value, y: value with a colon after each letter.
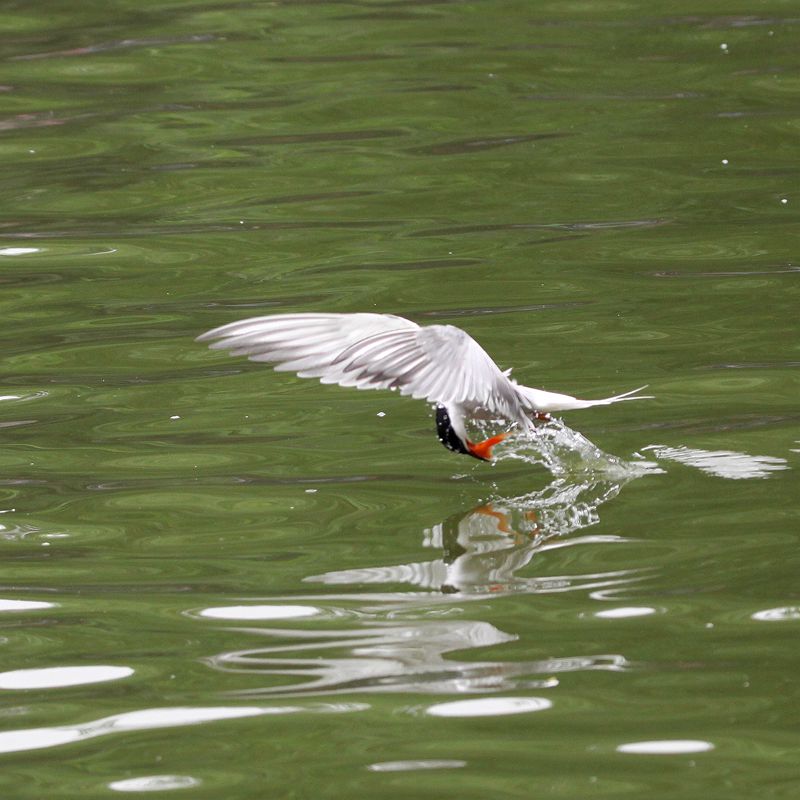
x: 412, y: 766
x: 18, y: 251
x: 260, y: 612
x: 489, y: 707
x: 59, y: 677
x: 24, y: 605
x: 666, y: 747
x: 624, y: 613
x: 154, y: 783
x: 777, y: 614
x: 16, y: 741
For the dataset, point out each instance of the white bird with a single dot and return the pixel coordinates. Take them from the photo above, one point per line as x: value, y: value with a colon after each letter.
x: 438, y: 363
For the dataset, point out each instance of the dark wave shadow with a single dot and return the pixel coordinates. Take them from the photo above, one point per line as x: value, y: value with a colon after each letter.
x: 463, y: 146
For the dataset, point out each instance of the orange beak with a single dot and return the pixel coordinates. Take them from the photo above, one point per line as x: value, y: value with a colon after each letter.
x: 483, y: 450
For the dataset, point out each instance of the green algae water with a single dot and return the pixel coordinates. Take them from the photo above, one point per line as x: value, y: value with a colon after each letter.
x: 221, y: 581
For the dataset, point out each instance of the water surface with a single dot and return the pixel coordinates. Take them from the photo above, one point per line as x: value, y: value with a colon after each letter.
x: 222, y: 581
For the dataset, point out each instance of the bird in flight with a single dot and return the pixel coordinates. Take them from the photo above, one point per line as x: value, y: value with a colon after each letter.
x: 438, y: 363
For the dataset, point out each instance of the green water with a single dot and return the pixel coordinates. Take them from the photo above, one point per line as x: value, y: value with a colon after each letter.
x: 219, y: 581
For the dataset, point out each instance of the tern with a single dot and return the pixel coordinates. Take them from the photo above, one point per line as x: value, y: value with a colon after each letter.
x: 438, y: 363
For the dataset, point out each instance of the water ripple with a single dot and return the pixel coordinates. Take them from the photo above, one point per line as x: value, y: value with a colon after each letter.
x: 120, y: 44
x: 393, y: 657
x: 491, y: 227
x: 482, y: 143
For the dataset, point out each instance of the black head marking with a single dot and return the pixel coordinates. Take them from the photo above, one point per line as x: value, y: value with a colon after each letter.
x: 447, y: 436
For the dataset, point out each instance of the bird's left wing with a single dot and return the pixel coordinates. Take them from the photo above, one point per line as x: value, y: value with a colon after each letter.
x: 440, y: 363
x: 307, y: 344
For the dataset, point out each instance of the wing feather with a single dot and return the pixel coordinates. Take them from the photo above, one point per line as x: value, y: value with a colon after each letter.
x: 439, y: 363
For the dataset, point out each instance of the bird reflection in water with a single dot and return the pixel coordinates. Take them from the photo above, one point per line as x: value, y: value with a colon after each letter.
x: 482, y: 549
x: 409, y: 641
x: 370, y: 636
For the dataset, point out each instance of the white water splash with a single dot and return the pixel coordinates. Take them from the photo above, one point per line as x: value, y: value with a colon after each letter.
x: 563, y: 451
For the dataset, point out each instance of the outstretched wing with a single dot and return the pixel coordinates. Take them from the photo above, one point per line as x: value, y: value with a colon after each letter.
x: 438, y: 363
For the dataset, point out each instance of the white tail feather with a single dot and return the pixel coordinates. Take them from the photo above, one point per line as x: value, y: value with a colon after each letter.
x: 539, y: 400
